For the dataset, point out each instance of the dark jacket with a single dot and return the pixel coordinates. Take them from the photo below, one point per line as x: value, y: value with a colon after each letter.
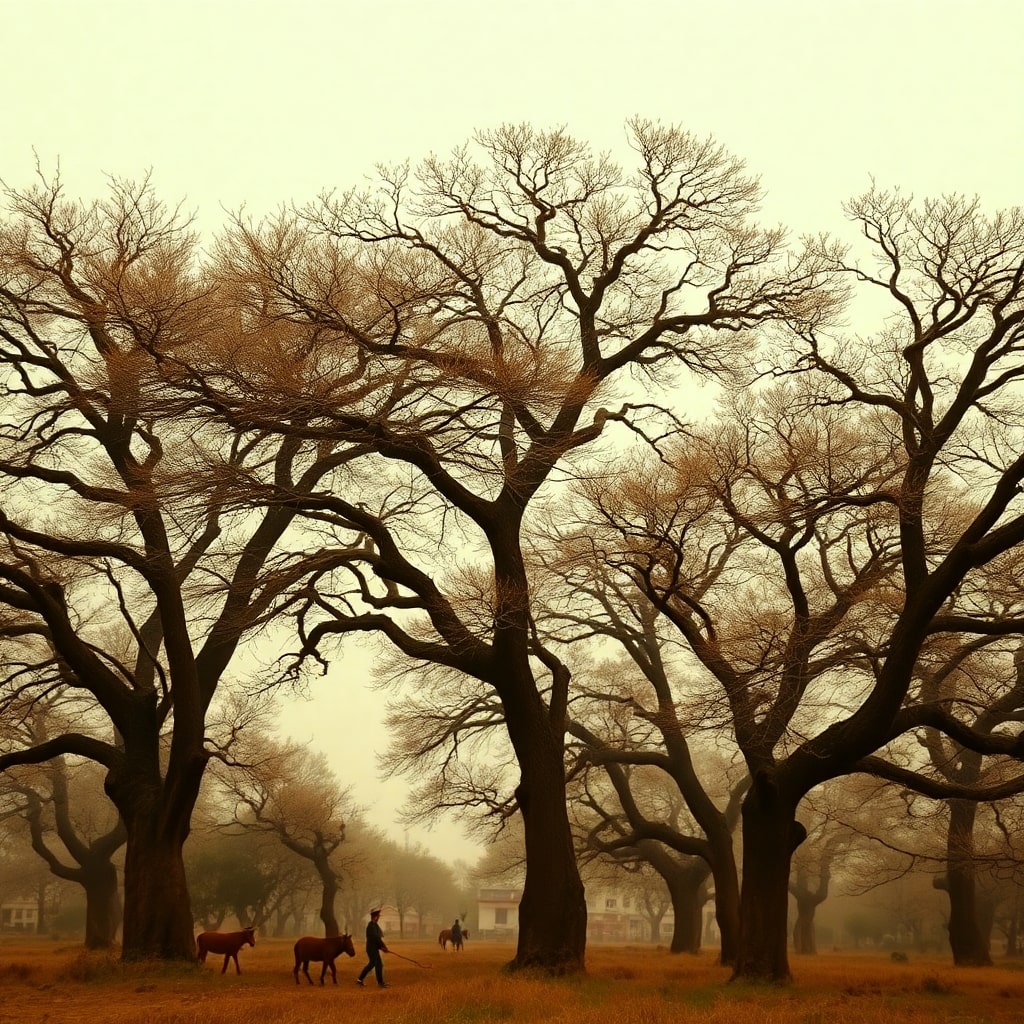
x: 374, y: 938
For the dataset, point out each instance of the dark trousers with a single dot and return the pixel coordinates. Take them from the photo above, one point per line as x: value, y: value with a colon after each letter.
x: 374, y: 964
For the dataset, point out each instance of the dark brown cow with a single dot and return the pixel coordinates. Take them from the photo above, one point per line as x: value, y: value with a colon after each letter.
x: 228, y: 943
x: 309, y: 947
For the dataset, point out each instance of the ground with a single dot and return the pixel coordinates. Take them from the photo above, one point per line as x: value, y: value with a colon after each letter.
x: 50, y: 981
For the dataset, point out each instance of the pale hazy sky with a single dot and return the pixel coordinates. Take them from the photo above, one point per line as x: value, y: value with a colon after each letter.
x: 230, y: 102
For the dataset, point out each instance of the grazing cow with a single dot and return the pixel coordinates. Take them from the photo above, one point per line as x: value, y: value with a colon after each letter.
x: 446, y: 936
x: 309, y: 947
x: 228, y: 943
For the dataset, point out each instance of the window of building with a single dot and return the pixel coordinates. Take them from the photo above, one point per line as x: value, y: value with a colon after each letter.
x: 611, y: 903
x: 625, y: 903
x: 501, y: 916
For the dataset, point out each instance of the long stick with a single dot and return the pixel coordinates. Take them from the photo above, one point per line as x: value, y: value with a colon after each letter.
x: 416, y: 962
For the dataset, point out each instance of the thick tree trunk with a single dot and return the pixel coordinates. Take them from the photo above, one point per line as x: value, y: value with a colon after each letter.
x: 102, y: 905
x: 770, y: 835
x: 157, y: 911
x: 553, y: 911
x: 688, y: 894
x: 156, y: 809
x: 969, y: 945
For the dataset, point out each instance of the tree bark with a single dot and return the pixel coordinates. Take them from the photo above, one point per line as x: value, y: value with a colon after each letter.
x: 969, y: 945
x: 689, y: 894
x: 553, y: 910
x: 329, y: 894
x: 770, y: 835
x: 156, y: 810
x: 804, y: 941
x: 727, y: 896
x: 157, y: 910
x: 102, y: 905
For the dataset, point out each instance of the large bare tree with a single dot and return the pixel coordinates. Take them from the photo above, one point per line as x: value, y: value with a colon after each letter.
x: 879, y: 499
x: 501, y: 308
x: 128, y: 574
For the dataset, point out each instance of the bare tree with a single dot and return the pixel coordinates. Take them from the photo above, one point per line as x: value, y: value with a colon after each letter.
x: 289, y: 792
x: 986, y: 681
x: 488, y: 309
x: 613, y: 835
x: 661, y: 716
x: 879, y: 501
x: 830, y: 845
x: 128, y: 574
x: 72, y: 826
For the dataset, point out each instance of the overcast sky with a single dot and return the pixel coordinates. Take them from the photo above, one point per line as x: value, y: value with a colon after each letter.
x: 249, y: 102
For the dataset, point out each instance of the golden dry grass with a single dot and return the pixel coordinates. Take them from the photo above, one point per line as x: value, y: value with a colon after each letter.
x: 48, y: 982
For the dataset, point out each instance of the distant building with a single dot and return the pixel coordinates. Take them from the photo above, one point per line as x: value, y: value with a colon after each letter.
x: 498, y: 913
x: 19, y: 915
x: 612, y: 916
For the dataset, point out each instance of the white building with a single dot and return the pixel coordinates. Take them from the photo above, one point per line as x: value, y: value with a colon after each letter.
x: 19, y: 915
x: 498, y: 913
x: 612, y: 916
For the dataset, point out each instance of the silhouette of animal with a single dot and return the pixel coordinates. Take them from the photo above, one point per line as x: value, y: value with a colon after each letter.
x: 228, y: 943
x: 446, y: 936
x: 309, y: 947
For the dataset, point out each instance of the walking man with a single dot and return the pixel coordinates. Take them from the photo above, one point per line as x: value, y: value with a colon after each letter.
x: 374, y: 947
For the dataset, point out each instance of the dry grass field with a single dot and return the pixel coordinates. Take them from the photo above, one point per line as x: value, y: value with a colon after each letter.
x: 48, y: 981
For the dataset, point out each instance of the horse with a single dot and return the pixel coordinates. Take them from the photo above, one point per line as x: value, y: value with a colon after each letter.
x: 228, y: 943
x: 309, y: 947
x: 446, y: 936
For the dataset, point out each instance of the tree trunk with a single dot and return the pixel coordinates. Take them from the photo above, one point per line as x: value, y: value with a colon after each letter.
x: 804, y: 941
x: 970, y: 947
x: 688, y: 894
x: 1012, y: 930
x: 808, y: 898
x: 102, y: 904
x: 41, y: 927
x: 156, y: 809
x: 329, y: 894
x: 727, y: 897
x: 157, y: 910
x: 553, y: 910
x: 770, y: 835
